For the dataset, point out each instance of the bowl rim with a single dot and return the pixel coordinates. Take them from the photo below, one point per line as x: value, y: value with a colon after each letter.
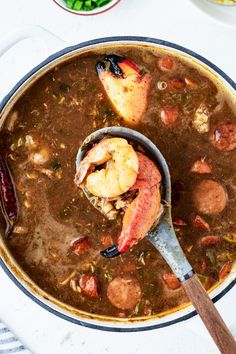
x: 93, y: 12
x: 21, y: 285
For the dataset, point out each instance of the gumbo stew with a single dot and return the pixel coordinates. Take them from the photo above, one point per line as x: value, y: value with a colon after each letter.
x: 52, y: 229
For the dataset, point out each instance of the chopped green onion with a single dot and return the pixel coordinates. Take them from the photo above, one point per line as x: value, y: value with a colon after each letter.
x: 231, y: 238
x: 226, y: 256
x: 212, y: 257
x: 78, y: 5
x: 101, y: 3
x: 70, y: 3
x: 85, y: 5
x: 139, y: 307
x: 202, y: 278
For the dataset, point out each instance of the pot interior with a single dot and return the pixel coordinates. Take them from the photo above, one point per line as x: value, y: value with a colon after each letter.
x: 56, y: 106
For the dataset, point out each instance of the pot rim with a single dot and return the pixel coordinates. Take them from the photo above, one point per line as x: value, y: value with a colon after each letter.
x: 7, y: 98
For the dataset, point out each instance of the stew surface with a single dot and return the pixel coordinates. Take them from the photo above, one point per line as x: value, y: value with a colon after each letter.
x: 191, y: 120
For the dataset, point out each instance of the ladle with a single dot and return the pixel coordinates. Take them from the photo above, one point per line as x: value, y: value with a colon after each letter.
x: 164, y: 239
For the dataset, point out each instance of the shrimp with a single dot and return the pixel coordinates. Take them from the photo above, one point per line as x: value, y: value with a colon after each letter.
x: 145, y: 209
x: 120, y: 171
x: 127, y: 172
x: 126, y: 86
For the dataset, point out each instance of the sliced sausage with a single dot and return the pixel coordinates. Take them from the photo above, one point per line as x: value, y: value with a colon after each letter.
x: 210, y: 197
x: 207, y: 241
x: 80, y: 245
x: 201, y: 167
x: 190, y: 83
x: 176, y: 84
x: 179, y: 222
x: 199, y: 223
x: 171, y: 281
x: 89, y: 285
x: 166, y: 63
x: 124, y: 292
x: 169, y: 116
x: 224, y: 137
x: 225, y: 270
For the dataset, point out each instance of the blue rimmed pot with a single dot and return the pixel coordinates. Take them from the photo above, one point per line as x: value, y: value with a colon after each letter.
x: 8, y: 263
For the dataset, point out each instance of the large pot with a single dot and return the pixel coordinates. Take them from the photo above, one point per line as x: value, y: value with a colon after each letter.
x: 8, y: 263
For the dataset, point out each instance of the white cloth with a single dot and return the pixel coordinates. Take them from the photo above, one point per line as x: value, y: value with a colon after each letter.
x: 9, y: 344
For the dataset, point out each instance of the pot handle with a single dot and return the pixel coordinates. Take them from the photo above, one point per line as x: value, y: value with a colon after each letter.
x: 49, y: 40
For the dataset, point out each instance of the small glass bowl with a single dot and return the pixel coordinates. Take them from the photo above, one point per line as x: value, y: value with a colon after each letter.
x: 96, y: 11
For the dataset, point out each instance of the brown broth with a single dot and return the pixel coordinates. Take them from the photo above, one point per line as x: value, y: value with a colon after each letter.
x: 60, y: 110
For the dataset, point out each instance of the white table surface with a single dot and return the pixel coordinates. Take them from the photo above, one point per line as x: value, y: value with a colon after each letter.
x: 177, y: 21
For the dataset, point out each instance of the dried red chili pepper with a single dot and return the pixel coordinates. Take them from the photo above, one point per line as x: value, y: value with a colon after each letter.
x: 8, y: 198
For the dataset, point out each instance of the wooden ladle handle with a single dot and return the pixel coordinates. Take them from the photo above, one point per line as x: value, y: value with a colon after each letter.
x: 209, y: 315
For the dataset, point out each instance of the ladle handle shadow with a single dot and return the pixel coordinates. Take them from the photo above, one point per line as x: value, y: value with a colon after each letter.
x: 165, y: 241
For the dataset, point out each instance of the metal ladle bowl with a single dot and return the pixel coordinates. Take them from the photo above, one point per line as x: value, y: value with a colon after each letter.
x: 162, y: 236
x: 164, y: 239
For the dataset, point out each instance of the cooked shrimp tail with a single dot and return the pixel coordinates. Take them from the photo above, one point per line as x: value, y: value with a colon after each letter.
x: 128, y: 181
x: 120, y: 171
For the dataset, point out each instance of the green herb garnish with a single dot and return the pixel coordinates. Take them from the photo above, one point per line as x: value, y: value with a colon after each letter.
x: 85, y: 5
x: 212, y: 257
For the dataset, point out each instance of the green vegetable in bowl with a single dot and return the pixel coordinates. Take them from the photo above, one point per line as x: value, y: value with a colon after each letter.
x: 85, y: 5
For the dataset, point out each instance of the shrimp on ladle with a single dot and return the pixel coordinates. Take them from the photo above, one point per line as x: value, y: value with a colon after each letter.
x: 129, y: 182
